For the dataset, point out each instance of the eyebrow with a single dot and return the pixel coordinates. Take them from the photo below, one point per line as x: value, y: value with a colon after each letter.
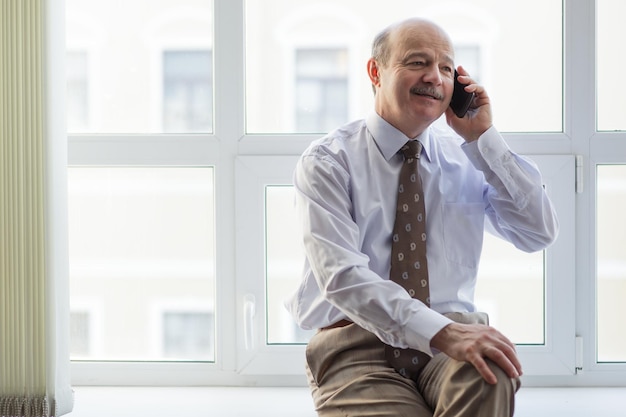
x: 427, y: 56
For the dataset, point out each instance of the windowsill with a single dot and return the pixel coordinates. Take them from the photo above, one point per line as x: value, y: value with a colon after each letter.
x: 289, y: 402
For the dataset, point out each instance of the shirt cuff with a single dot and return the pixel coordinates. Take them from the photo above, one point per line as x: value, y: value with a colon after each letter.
x: 489, y: 147
x: 429, y: 323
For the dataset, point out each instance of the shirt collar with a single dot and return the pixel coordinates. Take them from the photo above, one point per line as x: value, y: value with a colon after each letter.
x: 389, y: 139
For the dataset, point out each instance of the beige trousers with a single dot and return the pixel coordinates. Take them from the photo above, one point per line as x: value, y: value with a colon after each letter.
x: 350, y: 377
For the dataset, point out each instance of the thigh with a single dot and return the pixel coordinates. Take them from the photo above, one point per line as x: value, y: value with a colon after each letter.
x: 349, y: 376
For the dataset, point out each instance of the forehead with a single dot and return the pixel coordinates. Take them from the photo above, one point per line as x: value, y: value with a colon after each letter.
x: 421, y: 38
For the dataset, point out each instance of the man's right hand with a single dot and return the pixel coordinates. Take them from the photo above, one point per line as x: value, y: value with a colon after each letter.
x: 473, y: 343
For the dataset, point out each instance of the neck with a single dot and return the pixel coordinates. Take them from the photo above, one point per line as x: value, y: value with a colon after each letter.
x: 410, y: 128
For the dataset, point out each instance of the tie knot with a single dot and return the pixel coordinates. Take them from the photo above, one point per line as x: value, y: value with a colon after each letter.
x: 412, y: 149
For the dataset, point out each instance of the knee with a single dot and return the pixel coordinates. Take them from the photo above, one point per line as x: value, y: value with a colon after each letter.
x: 459, y: 390
x: 491, y: 399
x: 499, y: 398
x: 467, y: 381
x: 506, y: 385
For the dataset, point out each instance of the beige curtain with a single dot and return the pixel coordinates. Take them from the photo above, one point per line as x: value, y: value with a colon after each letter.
x: 34, y: 312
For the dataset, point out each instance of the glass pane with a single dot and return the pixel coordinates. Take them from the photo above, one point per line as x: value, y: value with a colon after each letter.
x: 321, y: 89
x: 611, y: 262
x: 79, y: 333
x: 188, y: 335
x: 77, y: 105
x: 509, y: 281
x: 187, y: 91
x: 284, y: 257
x: 488, y: 34
x: 142, y: 254
x: 124, y: 73
x: 611, y: 91
x: 510, y: 288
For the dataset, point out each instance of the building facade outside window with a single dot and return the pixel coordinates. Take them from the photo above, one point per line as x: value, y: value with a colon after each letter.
x: 187, y: 91
x: 321, y: 89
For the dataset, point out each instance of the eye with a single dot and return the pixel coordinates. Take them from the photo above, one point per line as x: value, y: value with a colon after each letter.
x: 416, y: 63
x: 447, y: 69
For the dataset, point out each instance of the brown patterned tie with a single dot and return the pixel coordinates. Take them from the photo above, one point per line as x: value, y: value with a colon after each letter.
x: 408, y: 252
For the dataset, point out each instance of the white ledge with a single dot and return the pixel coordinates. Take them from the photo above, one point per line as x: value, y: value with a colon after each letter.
x: 289, y: 402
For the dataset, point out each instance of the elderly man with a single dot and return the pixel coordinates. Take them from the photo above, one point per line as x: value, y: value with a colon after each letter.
x: 393, y: 212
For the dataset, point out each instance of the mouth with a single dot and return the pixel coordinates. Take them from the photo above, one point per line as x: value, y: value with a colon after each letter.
x: 427, y: 92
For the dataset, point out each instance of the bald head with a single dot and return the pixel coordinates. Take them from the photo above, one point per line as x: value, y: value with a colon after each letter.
x: 382, y: 45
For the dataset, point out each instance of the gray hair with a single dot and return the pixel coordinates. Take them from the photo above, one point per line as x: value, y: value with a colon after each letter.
x: 380, y: 46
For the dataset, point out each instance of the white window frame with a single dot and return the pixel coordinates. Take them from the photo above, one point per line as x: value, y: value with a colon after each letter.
x: 248, y: 161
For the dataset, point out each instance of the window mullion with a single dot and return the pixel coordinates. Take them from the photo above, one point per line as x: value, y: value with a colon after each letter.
x: 229, y: 127
x: 579, y: 124
x: 579, y: 101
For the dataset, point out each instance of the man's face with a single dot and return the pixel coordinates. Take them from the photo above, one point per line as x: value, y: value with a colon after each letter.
x: 415, y: 87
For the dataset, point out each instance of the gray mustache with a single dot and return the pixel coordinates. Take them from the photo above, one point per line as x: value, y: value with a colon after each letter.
x: 429, y: 91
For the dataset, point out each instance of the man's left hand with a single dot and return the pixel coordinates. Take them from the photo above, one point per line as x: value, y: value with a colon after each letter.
x: 478, y: 118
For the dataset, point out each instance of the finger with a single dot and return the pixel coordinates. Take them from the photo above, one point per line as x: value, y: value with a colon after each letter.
x: 477, y: 89
x: 508, y: 348
x: 504, y: 362
x: 504, y: 354
x: 484, y: 370
x: 512, y: 355
x: 480, y: 100
x: 462, y: 71
x: 468, y: 83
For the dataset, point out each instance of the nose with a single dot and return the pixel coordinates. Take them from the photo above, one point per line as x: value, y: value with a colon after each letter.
x: 433, y: 75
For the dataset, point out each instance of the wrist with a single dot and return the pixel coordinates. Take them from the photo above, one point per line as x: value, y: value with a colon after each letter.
x: 472, y: 137
x: 445, y: 336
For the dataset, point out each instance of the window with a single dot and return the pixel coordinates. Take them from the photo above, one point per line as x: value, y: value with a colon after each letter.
x: 149, y: 68
x: 141, y: 236
x: 510, y: 281
x: 470, y: 57
x: 284, y: 259
x: 77, y: 91
x: 611, y: 266
x: 316, y: 51
x: 182, y: 234
x: 188, y: 335
x: 611, y: 93
x: 187, y: 91
x: 321, y: 89
x: 80, y: 330
x: 487, y: 32
x: 607, y: 174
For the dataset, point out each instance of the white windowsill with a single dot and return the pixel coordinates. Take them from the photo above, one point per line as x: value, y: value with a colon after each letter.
x: 289, y: 402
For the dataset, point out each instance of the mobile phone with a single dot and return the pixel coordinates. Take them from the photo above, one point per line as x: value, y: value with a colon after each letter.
x: 461, y: 99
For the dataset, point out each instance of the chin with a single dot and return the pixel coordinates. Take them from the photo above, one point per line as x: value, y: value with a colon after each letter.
x: 428, y: 116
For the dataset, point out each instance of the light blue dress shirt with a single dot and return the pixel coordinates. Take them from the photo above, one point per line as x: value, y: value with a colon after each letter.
x: 346, y: 184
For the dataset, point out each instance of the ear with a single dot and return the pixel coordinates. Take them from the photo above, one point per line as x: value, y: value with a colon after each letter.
x: 373, y: 72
